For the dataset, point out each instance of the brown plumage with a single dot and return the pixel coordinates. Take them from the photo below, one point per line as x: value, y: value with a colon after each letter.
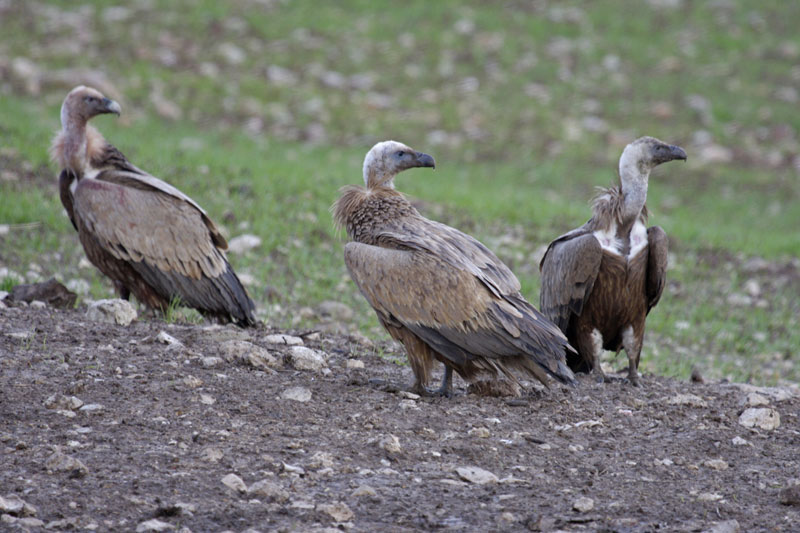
x: 147, y: 236
x: 600, y: 281
x: 441, y: 293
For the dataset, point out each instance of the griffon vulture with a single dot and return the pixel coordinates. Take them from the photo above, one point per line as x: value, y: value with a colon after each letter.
x: 147, y: 236
x: 599, y: 281
x: 441, y: 293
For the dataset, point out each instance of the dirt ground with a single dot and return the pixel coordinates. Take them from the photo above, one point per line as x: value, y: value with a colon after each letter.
x: 112, y: 428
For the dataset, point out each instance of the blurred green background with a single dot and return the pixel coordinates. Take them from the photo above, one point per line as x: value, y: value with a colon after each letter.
x: 261, y: 109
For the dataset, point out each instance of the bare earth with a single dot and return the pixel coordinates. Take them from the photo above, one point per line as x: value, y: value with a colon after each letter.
x: 157, y: 426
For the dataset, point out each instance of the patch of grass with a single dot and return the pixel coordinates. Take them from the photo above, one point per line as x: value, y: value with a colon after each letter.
x: 261, y: 114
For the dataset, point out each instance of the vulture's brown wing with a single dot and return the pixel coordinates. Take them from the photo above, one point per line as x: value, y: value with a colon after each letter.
x: 453, y: 311
x: 656, y: 265
x: 459, y: 250
x: 569, y: 269
x: 166, y: 239
x: 65, y: 179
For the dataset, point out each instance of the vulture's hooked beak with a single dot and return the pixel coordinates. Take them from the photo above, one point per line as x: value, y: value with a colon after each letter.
x: 677, y: 152
x: 424, y: 160
x: 110, y: 106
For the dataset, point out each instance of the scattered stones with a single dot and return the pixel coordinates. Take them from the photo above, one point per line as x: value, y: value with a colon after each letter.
x: 365, y: 491
x: 716, y: 464
x: 739, y: 441
x: 760, y: 417
x: 50, y: 292
x: 207, y: 399
x: 243, y: 243
x: 476, y: 475
x: 234, y: 482
x: 60, y: 462
x: 355, y: 364
x: 776, y: 394
x: 153, y: 524
x: 213, y: 455
x: 339, y: 511
x: 790, y: 495
x: 211, y: 362
x: 728, y: 526
x: 754, y: 399
x: 271, y: 492
x: 288, y: 340
x: 481, y: 432
x: 390, y: 443
x: 583, y: 504
x: 250, y: 354
x: 59, y: 401
x: 298, y: 394
x: 14, y: 505
x: 302, y: 358
x: 91, y: 407
x: 687, y: 399
x: 709, y: 497
x: 114, y: 311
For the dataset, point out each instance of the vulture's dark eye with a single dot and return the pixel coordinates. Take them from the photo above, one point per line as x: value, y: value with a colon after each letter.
x: 400, y: 153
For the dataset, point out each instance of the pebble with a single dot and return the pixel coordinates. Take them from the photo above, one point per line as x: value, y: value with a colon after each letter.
x: 234, y: 482
x: 716, y: 464
x: 288, y: 340
x: 243, y: 243
x: 165, y: 338
x: 153, y: 525
x: 339, y: 511
x: 114, y: 311
x: 739, y: 441
x: 476, y: 475
x: 583, y: 504
x: 13, y: 504
x: 355, y: 364
x: 211, y: 362
x: 790, y: 495
x: 89, y: 407
x: 365, y: 491
x: 688, y: 399
x: 60, y: 462
x: 213, y: 455
x: 298, y: 394
x: 38, y: 304
x: 755, y: 399
x: 250, y: 354
x: 728, y: 526
x: 390, y: 443
x: 207, y: 399
x: 61, y: 402
x: 302, y: 358
x: 760, y: 417
x: 481, y: 432
x: 272, y: 492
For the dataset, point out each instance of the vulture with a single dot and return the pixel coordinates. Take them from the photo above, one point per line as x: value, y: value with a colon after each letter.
x: 601, y: 280
x: 436, y: 290
x: 148, y: 237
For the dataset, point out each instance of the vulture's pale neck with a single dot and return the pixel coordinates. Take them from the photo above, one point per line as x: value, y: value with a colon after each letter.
x: 378, y: 177
x: 73, y: 142
x: 633, y: 176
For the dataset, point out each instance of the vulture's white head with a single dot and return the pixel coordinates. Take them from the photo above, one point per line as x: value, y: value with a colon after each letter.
x: 644, y: 154
x: 388, y: 158
x: 82, y: 103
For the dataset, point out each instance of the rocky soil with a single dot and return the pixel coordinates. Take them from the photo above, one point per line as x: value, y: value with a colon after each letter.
x: 164, y: 427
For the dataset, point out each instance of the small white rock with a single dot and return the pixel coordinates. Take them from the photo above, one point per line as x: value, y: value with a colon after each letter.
x: 207, y: 399
x: 716, y: 464
x: 390, y: 443
x: 37, y: 304
x: 583, y: 504
x: 339, y: 511
x: 739, y: 441
x: 114, y: 311
x: 298, y: 394
x: 243, y: 243
x: 165, y: 338
x: 248, y: 353
x: 153, y: 525
x: 687, y: 399
x: 480, y: 432
x: 303, y: 358
x: 269, y: 490
x: 288, y: 340
x: 728, y: 526
x: 476, y: 475
x: 234, y: 482
x: 754, y: 399
x: 365, y: 491
x: 760, y: 417
x: 211, y: 362
x: 354, y: 364
x: 11, y: 504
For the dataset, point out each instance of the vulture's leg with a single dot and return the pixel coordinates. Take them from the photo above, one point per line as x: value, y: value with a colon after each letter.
x: 590, y: 346
x: 123, y: 291
x: 446, y: 389
x: 633, y: 349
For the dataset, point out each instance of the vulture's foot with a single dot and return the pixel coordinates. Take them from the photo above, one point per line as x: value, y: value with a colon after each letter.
x: 633, y: 378
x: 598, y: 375
x: 386, y: 385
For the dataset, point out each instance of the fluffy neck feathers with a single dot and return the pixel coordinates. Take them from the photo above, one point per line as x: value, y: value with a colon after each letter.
x: 633, y: 176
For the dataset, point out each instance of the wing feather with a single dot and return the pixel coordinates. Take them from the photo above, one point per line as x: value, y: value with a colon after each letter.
x: 657, y: 246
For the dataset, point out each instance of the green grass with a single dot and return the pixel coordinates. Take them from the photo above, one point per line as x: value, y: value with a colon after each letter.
x: 525, y: 108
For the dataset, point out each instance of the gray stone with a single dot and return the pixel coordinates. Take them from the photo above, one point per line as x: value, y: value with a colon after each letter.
x: 390, y: 443
x: 716, y: 464
x: 268, y: 490
x: 760, y: 417
x: 338, y: 511
x: 11, y: 504
x: 754, y: 399
x: 728, y: 526
x: 62, y: 402
x: 234, y: 482
x: 303, y: 358
x: 250, y: 354
x: 60, y: 462
x: 298, y: 394
x: 354, y: 364
x: 153, y: 525
x: 583, y: 504
x: 38, y: 304
x: 112, y: 312
x: 687, y: 399
x: 288, y: 340
x: 211, y: 362
x: 476, y: 475
x: 165, y: 338
x: 790, y: 495
x: 30, y: 522
x: 365, y: 491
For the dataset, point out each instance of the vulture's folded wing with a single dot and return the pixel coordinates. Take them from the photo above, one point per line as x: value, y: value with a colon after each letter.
x: 461, y: 251
x: 65, y: 179
x: 166, y: 239
x: 569, y: 269
x: 656, y: 265
x: 453, y: 310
